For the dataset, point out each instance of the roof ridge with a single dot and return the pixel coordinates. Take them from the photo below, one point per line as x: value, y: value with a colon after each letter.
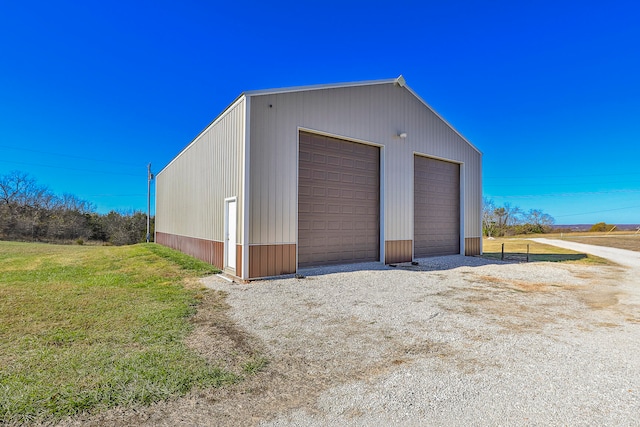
x: 400, y: 81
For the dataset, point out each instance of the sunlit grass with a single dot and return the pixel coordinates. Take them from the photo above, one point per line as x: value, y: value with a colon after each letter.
x: 516, y: 249
x: 84, y: 328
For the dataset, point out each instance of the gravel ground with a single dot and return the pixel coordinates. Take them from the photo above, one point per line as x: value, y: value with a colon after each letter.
x: 629, y: 293
x: 453, y: 341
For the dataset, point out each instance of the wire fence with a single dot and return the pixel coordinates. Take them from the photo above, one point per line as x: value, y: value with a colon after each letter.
x: 515, y: 256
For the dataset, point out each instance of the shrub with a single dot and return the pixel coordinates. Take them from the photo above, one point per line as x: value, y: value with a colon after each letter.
x: 602, y: 227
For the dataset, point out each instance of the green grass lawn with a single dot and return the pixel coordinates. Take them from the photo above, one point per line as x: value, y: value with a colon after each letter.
x: 85, y: 328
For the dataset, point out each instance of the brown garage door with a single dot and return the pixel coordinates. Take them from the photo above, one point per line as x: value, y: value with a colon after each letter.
x: 338, y: 201
x: 436, y: 196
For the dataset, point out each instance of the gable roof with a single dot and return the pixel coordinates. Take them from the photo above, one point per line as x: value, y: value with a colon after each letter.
x: 399, y: 81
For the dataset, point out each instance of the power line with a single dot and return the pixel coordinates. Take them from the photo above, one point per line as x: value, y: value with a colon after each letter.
x: 114, y: 195
x: 71, y: 169
x: 594, y: 212
x: 565, y: 184
x: 537, y: 177
x: 566, y: 194
x: 67, y: 155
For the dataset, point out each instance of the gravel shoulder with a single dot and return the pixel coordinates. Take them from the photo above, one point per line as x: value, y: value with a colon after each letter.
x: 453, y: 341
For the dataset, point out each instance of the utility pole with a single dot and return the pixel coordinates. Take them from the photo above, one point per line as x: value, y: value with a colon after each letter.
x: 149, y: 178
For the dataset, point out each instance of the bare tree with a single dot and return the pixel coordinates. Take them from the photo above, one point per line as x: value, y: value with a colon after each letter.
x: 31, y: 211
x: 506, y: 217
x: 488, y: 216
x: 20, y: 197
x: 18, y: 188
x: 539, y: 218
x: 509, y: 219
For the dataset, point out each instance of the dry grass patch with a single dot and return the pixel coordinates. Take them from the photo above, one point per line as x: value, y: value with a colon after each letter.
x: 516, y: 285
x: 522, y: 286
x: 598, y: 298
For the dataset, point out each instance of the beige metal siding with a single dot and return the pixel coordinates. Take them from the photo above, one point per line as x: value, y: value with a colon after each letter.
x: 190, y: 191
x: 338, y: 201
x: 373, y: 114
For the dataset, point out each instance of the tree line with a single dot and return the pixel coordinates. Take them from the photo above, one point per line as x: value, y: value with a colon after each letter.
x: 508, y: 220
x: 31, y: 212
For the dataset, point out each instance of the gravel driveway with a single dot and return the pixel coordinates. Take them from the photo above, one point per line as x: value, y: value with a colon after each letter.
x: 453, y: 341
x: 624, y: 257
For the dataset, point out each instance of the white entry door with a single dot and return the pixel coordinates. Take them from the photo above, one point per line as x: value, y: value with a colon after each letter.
x: 231, y: 229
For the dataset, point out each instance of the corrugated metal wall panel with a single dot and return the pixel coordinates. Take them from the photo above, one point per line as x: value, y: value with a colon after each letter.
x: 190, y: 191
x: 374, y: 114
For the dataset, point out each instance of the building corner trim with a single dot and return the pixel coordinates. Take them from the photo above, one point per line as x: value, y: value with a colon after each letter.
x: 245, y: 188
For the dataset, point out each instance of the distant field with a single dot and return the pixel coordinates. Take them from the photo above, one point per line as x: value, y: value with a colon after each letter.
x: 515, y: 249
x: 88, y: 328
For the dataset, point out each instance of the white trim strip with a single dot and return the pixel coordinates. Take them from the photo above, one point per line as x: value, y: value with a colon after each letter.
x: 444, y: 159
x: 336, y: 136
x: 463, y: 231
x: 381, y: 186
x: 246, y: 201
x: 227, y: 244
x: 461, y: 177
x: 222, y: 276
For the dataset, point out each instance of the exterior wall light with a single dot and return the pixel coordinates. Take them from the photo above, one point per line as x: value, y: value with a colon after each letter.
x: 403, y: 135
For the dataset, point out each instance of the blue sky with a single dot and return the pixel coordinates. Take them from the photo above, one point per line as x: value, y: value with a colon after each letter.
x: 549, y: 91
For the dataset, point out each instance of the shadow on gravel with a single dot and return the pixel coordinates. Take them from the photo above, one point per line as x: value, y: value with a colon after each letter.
x: 438, y: 263
x: 421, y: 264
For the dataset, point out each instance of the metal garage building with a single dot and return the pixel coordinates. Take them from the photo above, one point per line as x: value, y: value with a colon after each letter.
x: 315, y: 175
